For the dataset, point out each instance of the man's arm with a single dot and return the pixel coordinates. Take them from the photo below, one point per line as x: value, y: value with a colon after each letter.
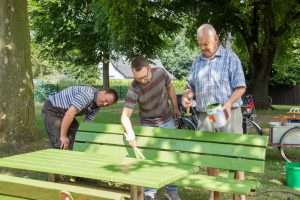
x: 125, y: 120
x: 237, y: 93
x: 66, y: 122
x: 172, y: 94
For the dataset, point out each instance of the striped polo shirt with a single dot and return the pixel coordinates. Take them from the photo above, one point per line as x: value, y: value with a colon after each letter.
x: 214, y: 80
x: 152, y: 98
x: 81, y: 97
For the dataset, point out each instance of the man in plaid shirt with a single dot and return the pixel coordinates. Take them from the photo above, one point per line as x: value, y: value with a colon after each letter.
x: 216, y: 77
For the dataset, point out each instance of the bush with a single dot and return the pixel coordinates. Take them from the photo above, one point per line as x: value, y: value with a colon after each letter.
x: 42, y: 91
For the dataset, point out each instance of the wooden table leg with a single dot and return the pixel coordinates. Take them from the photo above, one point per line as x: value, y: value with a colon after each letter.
x: 52, y: 177
x: 136, y: 193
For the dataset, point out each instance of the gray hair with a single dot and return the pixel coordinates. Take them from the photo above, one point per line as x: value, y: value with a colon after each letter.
x: 206, y: 28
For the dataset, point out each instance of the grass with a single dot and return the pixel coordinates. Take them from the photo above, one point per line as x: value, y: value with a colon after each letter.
x: 272, y: 182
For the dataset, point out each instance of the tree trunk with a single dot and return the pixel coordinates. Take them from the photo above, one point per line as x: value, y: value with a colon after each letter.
x: 261, y: 64
x: 105, y: 70
x: 17, y: 116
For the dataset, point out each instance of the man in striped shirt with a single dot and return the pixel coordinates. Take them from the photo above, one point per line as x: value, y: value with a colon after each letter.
x: 216, y: 77
x: 60, y: 109
x: 150, y: 90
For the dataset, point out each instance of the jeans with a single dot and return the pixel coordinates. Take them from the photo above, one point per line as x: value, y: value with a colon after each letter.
x: 169, y: 188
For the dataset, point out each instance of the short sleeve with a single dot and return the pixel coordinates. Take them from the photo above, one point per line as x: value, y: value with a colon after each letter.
x: 131, y: 97
x: 237, y: 78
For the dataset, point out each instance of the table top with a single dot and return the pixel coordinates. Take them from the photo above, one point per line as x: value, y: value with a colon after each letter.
x: 145, y: 173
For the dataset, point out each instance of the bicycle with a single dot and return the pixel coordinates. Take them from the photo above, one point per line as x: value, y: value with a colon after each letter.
x: 250, y: 98
x: 249, y: 125
x: 248, y: 111
x: 190, y: 122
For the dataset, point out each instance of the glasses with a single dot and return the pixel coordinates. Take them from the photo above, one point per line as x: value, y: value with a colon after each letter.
x: 143, y: 77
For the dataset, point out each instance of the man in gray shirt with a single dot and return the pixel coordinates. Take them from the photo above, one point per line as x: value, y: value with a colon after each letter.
x: 60, y: 109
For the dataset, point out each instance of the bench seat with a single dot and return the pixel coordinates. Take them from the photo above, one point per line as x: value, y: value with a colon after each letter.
x: 14, y: 188
x: 221, y: 184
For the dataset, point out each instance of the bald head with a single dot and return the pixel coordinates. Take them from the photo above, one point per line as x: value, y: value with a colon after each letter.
x: 208, y: 40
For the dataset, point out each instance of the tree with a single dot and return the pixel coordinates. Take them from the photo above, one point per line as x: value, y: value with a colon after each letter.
x: 140, y: 27
x: 72, y: 31
x: 17, y: 116
x: 261, y: 24
x: 178, y: 56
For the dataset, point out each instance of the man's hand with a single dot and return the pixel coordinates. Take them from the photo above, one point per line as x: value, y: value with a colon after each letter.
x: 227, y: 109
x: 176, y: 113
x: 65, y: 142
x: 130, y: 137
x: 132, y: 143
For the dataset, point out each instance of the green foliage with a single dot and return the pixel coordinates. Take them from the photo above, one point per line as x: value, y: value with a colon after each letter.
x: 179, y: 85
x: 138, y: 27
x: 59, y: 71
x: 42, y: 91
x: 287, y: 62
x: 178, y: 56
x: 71, y: 37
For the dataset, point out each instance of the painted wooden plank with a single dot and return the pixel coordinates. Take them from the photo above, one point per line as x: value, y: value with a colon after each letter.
x: 248, y: 165
x: 145, y: 173
x: 7, y: 197
x: 220, y: 184
x: 36, y: 189
x: 179, y: 134
x: 232, y: 150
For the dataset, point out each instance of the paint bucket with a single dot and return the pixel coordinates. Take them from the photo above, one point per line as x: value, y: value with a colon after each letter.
x: 216, y: 115
x: 293, y: 174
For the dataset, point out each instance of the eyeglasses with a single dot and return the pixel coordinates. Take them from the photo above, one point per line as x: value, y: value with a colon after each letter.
x: 143, y: 77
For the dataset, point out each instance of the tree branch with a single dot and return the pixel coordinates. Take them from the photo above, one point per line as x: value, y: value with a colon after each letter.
x: 242, y: 28
x: 292, y: 15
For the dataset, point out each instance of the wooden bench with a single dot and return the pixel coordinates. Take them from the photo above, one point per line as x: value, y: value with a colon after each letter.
x: 15, y: 188
x: 200, y: 149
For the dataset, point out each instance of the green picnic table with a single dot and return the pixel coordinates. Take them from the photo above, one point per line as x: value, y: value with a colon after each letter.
x: 131, y: 171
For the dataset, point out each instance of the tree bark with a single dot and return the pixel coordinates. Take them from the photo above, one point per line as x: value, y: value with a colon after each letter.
x: 105, y: 70
x: 261, y: 64
x: 17, y: 116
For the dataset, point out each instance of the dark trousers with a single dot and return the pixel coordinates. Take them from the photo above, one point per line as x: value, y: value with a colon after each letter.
x: 53, y: 117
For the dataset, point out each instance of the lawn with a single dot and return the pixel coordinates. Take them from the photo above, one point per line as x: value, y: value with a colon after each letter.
x: 272, y: 182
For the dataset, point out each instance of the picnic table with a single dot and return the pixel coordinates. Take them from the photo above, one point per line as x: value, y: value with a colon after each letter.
x: 131, y: 171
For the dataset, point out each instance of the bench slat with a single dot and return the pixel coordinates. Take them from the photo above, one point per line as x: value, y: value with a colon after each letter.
x: 180, y: 134
x: 177, y: 145
x: 220, y: 184
x: 43, y: 190
x: 247, y: 165
x: 6, y: 197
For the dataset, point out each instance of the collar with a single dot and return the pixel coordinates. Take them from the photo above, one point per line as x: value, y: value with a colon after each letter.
x: 217, y: 54
x: 95, y: 97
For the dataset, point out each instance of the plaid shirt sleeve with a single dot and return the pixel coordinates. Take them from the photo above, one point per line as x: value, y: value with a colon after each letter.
x: 237, y: 78
x: 189, y: 79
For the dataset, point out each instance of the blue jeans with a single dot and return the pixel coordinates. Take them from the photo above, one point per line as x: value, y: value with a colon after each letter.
x: 151, y: 191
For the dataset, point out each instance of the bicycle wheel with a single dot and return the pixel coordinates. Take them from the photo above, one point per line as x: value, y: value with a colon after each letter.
x: 252, y: 128
x: 290, y: 145
x: 186, y: 123
x: 270, y: 101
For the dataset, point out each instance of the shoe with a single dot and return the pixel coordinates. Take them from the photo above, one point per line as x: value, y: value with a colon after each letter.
x: 147, y: 197
x: 171, y: 195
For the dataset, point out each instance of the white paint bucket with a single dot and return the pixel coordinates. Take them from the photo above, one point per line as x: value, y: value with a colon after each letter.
x: 216, y: 115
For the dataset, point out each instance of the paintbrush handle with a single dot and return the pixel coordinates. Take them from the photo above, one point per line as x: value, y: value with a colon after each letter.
x: 137, y: 149
x: 139, y: 152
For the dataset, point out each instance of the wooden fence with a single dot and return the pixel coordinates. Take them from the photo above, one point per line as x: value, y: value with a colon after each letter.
x: 285, y: 96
